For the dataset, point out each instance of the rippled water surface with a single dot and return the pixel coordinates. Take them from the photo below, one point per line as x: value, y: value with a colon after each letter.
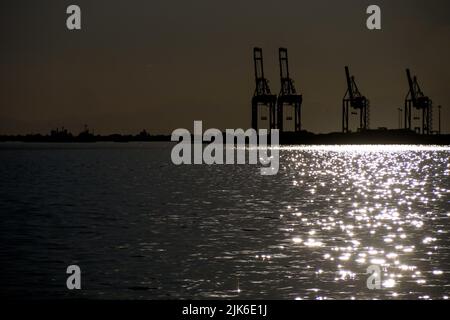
x: 140, y: 227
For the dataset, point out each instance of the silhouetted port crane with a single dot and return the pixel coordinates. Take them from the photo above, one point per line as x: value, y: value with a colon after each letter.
x: 353, y: 98
x: 415, y: 98
x: 288, y: 95
x: 262, y: 95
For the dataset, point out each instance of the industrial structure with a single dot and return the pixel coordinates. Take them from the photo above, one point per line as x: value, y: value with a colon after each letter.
x: 355, y: 100
x: 415, y: 99
x: 288, y: 96
x: 439, y: 119
x: 287, y: 105
x: 262, y: 96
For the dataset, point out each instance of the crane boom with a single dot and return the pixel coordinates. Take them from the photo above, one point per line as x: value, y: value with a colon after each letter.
x: 262, y: 85
x: 349, y: 83
x: 411, y: 86
x: 287, y: 84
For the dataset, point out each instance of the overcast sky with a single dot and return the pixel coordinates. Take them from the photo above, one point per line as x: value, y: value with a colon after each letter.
x: 160, y: 64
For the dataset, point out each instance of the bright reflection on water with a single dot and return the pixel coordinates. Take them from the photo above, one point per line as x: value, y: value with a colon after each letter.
x: 143, y: 228
x: 371, y: 205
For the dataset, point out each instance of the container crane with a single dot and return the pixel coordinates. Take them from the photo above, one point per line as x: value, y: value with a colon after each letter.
x: 418, y: 100
x: 355, y: 100
x: 288, y: 95
x: 262, y: 95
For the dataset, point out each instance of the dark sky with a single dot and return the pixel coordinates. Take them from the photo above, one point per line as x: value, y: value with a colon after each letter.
x: 160, y: 64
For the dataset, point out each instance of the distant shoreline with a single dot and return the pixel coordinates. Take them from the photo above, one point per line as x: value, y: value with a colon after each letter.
x: 85, y: 139
x: 379, y: 136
